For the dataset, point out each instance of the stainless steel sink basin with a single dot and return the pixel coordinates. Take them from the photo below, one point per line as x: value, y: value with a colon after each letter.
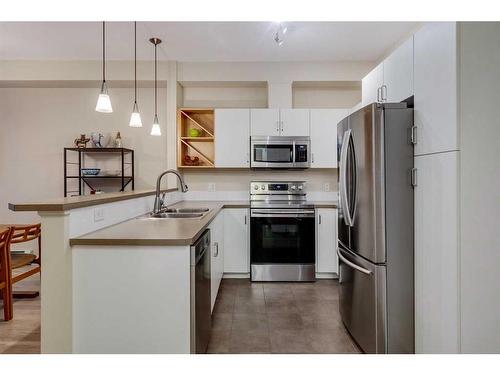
x: 193, y: 209
x: 177, y: 213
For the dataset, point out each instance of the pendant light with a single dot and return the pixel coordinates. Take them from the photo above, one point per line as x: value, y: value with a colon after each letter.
x: 103, y: 101
x: 156, y: 130
x: 135, y: 117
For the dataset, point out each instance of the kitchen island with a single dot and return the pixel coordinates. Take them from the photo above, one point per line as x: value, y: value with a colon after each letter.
x: 115, y: 282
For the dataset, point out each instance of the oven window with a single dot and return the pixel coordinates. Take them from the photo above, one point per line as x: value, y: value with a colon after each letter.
x: 282, y: 240
x: 273, y: 153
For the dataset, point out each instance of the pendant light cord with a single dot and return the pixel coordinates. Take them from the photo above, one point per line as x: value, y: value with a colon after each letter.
x: 135, y: 62
x: 104, y: 51
x: 156, y: 88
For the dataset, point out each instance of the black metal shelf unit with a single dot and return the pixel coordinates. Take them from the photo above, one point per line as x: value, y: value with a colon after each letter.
x: 85, y: 180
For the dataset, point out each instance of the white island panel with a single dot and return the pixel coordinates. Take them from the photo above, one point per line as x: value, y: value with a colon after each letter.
x: 131, y: 299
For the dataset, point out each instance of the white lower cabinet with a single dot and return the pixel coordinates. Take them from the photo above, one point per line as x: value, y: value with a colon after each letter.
x: 436, y: 253
x: 216, y: 255
x: 236, y: 240
x: 326, y: 241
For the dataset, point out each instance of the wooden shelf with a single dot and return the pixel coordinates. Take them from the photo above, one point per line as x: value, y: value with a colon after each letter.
x: 198, y: 139
x: 203, y: 146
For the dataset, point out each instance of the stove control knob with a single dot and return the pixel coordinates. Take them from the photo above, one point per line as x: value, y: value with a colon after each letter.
x: 294, y: 187
x: 263, y: 187
x: 300, y: 187
x: 256, y: 187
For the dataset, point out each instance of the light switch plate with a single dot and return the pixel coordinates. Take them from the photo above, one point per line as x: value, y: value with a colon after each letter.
x: 326, y: 186
x: 98, y: 214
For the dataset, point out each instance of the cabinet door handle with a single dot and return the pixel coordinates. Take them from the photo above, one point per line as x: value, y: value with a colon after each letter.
x: 378, y: 95
x: 277, y: 126
x: 414, y: 177
x: 319, y: 221
x: 312, y: 157
x: 245, y: 219
x: 382, y: 91
x: 281, y: 129
x: 413, y: 135
x: 216, y: 246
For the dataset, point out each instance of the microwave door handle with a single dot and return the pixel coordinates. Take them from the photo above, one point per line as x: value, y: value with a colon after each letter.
x: 352, y: 265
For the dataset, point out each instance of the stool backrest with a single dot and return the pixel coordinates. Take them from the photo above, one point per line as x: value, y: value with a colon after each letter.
x: 25, y: 233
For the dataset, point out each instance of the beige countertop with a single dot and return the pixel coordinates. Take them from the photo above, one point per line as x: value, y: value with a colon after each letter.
x: 165, y: 232
x: 64, y: 204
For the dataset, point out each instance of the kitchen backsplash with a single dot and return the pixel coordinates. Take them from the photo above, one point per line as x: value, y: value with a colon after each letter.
x: 237, y: 181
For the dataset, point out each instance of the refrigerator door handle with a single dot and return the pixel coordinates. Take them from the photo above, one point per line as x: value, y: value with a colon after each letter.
x: 352, y: 265
x: 354, y: 187
x: 343, y: 177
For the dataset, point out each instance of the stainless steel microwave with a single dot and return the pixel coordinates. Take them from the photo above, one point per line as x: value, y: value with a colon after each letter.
x: 280, y: 152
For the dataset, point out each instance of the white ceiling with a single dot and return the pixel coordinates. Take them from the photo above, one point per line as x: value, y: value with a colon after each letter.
x: 202, y: 41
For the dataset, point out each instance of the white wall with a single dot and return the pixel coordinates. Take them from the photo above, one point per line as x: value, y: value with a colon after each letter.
x: 480, y: 187
x: 225, y: 97
x: 326, y: 97
x: 37, y: 123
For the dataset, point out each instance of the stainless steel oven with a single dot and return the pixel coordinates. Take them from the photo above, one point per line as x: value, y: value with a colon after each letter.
x: 282, y: 232
x: 280, y: 152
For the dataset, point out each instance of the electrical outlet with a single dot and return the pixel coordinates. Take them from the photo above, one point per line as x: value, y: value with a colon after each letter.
x: 98, y: 214
x: 211, y: 186
x: 326, y: 186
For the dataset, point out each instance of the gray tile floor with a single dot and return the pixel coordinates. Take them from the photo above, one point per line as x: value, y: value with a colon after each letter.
x: 278, y: 318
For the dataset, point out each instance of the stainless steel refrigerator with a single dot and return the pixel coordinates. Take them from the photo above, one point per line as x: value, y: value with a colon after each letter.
x: 375, y: 227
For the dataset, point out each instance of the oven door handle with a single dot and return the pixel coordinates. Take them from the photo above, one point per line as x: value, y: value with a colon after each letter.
x: 278, y: 211
x: 291, y: 214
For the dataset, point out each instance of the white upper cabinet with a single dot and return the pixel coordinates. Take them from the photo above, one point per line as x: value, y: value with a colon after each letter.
x: 398, y: 74
x: 436, y: 88
x: 279, y: 122
x: 294, y: 122
x: 392, y: 80
x: 371, y: 84
x: 232, y: 131
x: 326, y: 243
x: 323, y: 136
x: 265, y: 122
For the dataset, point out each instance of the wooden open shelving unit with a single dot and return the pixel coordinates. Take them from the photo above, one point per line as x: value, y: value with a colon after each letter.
x: 203, y: 146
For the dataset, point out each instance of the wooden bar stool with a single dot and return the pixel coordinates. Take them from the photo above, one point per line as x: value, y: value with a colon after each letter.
x: 22, y: 234
x: 5, y: 285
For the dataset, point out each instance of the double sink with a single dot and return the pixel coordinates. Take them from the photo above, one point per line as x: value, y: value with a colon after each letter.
x: 177, y: 213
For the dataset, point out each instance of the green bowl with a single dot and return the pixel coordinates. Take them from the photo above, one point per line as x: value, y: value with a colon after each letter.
x: 194, y: 132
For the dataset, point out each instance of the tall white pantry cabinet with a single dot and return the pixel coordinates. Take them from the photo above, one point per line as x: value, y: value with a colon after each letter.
x: 457, y: 193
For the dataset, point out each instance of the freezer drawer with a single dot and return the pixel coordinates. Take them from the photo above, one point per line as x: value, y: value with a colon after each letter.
x: 363, y: 301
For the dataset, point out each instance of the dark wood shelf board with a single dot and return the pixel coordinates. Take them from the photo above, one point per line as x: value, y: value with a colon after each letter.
x: 103, y: 150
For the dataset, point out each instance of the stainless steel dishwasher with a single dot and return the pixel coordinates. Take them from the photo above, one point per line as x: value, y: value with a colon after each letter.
x: 201, y: 320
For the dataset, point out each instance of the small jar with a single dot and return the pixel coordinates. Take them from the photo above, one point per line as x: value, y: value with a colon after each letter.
x: 118, y: 141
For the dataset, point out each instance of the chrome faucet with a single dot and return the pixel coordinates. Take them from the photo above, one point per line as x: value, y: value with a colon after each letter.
x: 159, y: 202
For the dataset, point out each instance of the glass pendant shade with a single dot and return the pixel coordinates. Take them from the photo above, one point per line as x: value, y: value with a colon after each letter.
x: 135, y: 117
x: 156, y: 130
x: 103, y: 101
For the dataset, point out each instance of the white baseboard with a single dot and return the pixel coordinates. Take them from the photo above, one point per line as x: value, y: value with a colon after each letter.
x: 236, y: 276
x: 326, y: 275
